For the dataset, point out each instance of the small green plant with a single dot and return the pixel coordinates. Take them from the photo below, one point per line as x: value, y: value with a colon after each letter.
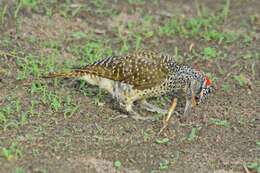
x: 136, y: 1
x: 70, y: 108
x: 247, y: 39
x: 213, y: 35
x: 29, y: 65
x: 164, y: 165
x: 3, y: 118
x: 255, y: 166
x: 193, y: 134
x: 24, y: 4
x: 225, y: 87
x: 138, y: 42
x: 225, y: 10
x: 125, y: 46
x: 98, y: 3
x: 55, y: 102
x: 19, y: 170
x: 3, y: 12
x: 193, y: 26
x: 146, y: 136
x: 219, y: 122
x: 94, y: 50
x: 171, y: 28
x: 79, y: 35
x: 30, y: 3
x: 258, y: 143
x: 23, y: 118
x: 12, y: 152
x: 209, y: 53
x: 5, y: 114
x: 241, y: 79
x: 162, y: 141
x: 117, y: 164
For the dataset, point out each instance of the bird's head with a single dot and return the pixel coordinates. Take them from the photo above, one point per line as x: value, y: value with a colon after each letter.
x: 203, y: 89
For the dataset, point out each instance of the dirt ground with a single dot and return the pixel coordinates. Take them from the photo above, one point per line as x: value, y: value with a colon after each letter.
x: 65, y: 125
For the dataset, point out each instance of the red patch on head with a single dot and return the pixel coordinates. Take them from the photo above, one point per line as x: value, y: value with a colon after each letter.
x: 208, y: 81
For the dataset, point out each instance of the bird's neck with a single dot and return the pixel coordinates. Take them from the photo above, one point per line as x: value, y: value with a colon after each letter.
x: 187, y: 74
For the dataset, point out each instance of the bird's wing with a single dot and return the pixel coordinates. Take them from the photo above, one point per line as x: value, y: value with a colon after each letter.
x: 142, y: 70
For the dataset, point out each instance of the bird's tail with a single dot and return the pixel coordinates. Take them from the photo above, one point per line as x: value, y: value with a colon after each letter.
x: 64, y: 74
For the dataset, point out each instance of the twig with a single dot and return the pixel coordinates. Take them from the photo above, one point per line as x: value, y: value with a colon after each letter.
x: 246, y: 169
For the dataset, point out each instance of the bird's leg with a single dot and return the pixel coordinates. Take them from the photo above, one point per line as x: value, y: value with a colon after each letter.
x: 187, y: 110
x: 126, y: 102
x: 152, y: 108
x: 190, y: 99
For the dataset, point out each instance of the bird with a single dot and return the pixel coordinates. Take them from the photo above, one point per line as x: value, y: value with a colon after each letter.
x: 138, y: 76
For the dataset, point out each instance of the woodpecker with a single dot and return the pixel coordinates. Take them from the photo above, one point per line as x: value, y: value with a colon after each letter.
x: 141, y: 75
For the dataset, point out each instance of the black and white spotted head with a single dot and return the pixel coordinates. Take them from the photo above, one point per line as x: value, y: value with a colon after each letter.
x: 203, y: 90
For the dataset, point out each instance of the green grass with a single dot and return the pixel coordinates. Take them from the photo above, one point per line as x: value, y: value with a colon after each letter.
x: 134, y: 33
x: 240, y: 79
x: 19, y: 170
x: 91, y: 51
x: 258, y: 143
x: 207, y: 26
x: 162, y: 141
x: 14, y: 151
x: 219, y: 122
x: 12, y: 115
x: 193, y: 134
x: 117, y: 165
x: 3, y: 13
x: 209, y: 53
x: 225, y: 87
x: 254, y: 166
x: 164, y: 165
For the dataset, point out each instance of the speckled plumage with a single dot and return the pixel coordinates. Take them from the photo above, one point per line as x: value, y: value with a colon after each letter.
x: 139, y: 76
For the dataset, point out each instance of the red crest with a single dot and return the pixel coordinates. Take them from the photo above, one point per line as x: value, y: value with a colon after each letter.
x: 208, y: 81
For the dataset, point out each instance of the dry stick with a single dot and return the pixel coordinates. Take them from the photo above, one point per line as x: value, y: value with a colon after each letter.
x: 170, y: 112
x: 247, y: 171
x: 191, y: 47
